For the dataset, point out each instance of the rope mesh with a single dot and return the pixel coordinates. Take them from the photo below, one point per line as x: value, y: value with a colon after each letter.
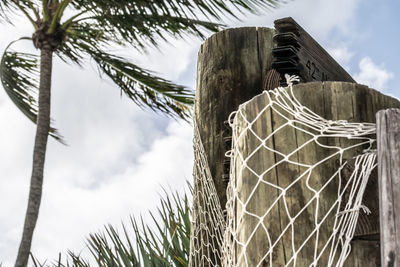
x: 289, y: 203
x: 208, y: 223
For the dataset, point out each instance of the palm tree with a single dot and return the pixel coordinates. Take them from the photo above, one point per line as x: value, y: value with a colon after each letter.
x: 76, y: 29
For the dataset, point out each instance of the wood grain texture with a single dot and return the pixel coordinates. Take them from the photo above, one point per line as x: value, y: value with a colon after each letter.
x: 333, y: 101
x: 230, y: 71
x: 388, y: 136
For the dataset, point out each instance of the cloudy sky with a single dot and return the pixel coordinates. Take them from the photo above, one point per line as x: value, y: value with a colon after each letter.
x: 119, y: 156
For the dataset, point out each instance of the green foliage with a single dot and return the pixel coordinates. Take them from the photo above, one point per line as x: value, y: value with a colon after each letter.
x: 180, y: 8
x: 157, y: 93
x: 142, y: 86
x: 19, y: 77
x: 96, y: 26
x: 165, y: 242
x: 19, y: 72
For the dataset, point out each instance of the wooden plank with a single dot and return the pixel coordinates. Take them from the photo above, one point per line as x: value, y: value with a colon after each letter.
x: 388, y: 136
x: 297, y: 53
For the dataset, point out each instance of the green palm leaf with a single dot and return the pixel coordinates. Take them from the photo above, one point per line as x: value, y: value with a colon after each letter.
x: 18, y: 74
x: 163, y: 243
x: 6, y: 7
x: 140, y: 85
x: 83, y: 37
x: 138, y: 23
x: 140, y: 29
x: 144, y: 88
x: 185, y: 8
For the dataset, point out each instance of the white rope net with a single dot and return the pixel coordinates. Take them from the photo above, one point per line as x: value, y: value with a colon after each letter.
x: 208, y: 223
x: 289, y: 203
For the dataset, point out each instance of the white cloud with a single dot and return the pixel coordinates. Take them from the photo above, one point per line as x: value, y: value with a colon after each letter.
x: 172, y: 59
x: 325, y: 16
x: 342, y: 55
x: 319, y: 18
x: 373, y: 75
x: 132, y: 190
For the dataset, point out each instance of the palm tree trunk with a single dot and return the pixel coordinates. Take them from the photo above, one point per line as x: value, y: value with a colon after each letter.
x: 39, y: 153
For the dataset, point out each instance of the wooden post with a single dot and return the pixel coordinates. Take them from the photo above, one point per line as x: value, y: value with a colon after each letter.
x: 388, y: 136
x: 333, y: 101
x: 232, y: 65
x: 230, y: 71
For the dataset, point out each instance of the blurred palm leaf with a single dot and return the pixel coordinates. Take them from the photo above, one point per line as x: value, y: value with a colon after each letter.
x: 165, y: 242
x: 19, y: 72
x: 8, y: 7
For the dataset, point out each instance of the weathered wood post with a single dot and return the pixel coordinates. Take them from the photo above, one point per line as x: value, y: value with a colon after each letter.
x: 232, y: 66
x: 388, y: 136
x: 332, y: 101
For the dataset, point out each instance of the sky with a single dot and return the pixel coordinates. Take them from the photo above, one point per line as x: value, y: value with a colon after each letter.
x: 119, y: 156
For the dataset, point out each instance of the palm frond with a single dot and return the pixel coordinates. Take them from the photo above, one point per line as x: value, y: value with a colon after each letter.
x: 165, y: 245
x: 165, y: 242
x: 137, y: 22
x: 140, y: 85
x: 144, y: 88
x: 9, y: 7
x: 83, y: 37
x: 6, y: 7
x: 18, y: 72
x: 71, y: 260
x: 141, y: 29
x: 179, y: 8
